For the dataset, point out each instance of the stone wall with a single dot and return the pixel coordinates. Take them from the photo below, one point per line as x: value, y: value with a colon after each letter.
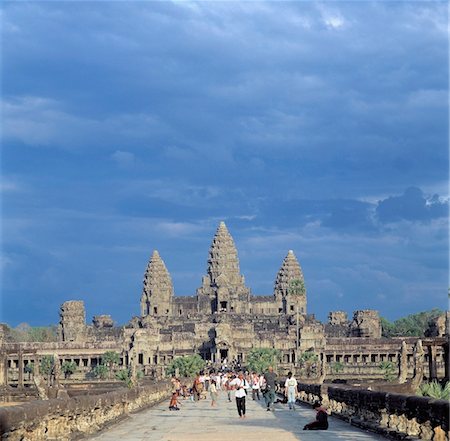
x: 393, y: 415
x: 67, y: 419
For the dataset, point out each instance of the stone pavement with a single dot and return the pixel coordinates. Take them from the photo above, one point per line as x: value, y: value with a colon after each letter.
x: 198, y: 421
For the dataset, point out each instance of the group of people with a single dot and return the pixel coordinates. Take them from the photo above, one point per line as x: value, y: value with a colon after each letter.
x: 240, y: 385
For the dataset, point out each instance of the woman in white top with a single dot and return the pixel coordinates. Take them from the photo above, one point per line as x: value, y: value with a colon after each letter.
x: 290, y: 390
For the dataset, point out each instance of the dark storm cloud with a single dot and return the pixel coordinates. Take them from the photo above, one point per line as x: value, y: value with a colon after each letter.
x: 139, y: 125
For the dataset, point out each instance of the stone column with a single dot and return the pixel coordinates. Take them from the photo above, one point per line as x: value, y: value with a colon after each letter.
x: 3, y: 370
x: 403, y: 364
x: 432, y: 362
x: 20, y: 366
x: 446, y: 360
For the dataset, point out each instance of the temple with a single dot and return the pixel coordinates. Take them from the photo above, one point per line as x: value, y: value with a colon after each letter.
x: 223, y: 321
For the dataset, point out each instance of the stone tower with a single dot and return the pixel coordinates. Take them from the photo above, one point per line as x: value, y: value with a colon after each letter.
x: 289, y: 290
x: 72, y: 324
x: 157, y: 293
x: 366, y: 323
x: 223, y: 288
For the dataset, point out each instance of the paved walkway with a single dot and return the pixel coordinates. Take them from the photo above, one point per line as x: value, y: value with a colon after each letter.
x: 198, y: 421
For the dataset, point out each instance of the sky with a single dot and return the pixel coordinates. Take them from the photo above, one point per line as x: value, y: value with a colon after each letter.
x: 320, y: 127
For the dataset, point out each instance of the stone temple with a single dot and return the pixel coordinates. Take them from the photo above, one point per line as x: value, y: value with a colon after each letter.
x: 225, y: 321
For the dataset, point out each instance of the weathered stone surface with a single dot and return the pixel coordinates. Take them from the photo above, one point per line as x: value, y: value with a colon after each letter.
x: 102, y: 321
x: 63, y: 419
x: 72, y: 325
x: 289, y: 287
x: 401, y: 414
x: 366, y: 323
x: 157, y: 293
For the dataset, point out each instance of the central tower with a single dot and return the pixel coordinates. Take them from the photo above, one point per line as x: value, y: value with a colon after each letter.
x: 223, y: 287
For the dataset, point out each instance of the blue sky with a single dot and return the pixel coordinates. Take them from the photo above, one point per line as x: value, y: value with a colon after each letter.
x: 133, y: 126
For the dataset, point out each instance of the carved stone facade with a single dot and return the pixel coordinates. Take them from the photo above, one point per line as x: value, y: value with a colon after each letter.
x: 223, y: 321
x: 72, y: 326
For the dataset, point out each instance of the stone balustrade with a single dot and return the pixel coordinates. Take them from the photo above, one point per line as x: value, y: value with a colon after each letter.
x: 67, y: 419
x: 395, y: 415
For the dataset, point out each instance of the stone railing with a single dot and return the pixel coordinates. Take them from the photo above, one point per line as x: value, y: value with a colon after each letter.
x: 67, y: 419
x: 393, y: 415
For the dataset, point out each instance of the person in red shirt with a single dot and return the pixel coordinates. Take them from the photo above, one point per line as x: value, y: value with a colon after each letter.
x: 321, y: 422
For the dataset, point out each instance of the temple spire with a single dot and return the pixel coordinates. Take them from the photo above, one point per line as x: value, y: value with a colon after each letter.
x: 289, y: 287
x: 158, y: 290
x: 223, y: 258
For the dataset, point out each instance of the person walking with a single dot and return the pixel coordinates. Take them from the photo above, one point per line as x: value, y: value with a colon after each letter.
x: 240, y: 385
x: 213, y: 392
x: 255, y: 386
x: 271, y: 381
x: 290, y: 390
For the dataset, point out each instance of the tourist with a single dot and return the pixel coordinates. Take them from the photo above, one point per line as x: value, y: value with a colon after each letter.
x: 213, y: 393
x: 271, y: 381
x: 290, y: 390
x: 321, y: 421
x: 197, y: 388
x: 239, y: 385
x: 255, y: 386
x: 228, y: 387
x: 174, y: 403
x: 207, y: 380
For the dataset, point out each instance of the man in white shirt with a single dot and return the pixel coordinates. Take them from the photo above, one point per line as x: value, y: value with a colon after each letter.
x: 240, y: 385
x: 290, y: 390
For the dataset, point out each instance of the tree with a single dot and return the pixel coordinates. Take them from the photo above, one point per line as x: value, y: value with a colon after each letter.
x: 187, y: 366
x: 68, y: 368
x: 413, y: 325
x: 29, y: 369
x: 46, y: 365
x: 26, y: 333
x: 434, y: 390
x: 337, y: 367
x: 100, y: 371
x: 297, y: 287
x: 308, y: 362
x: 388, y: 369
x: 110, y: 359
x: 124, y: 375
x: 259, y: 359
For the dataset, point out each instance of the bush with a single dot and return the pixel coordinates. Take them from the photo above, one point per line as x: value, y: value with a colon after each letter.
x: 100, y: 371
x: 434, y: 390
x: 46, y: 365
x: 188, y: 365
x: 68, y: 368
x: 388, y: 369
x: 260, y: 359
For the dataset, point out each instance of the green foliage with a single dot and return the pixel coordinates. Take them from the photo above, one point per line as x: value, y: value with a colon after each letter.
x: 337, y: 367
x: 124, y: 375
x: 26, y: 333
x: 46, y: 365
x: 413, y: 325
x: 434, y: 390
x: 68, y: 368
x: 297, y: 287
x: 308, y: 362
x: 29, y: 368
x: 188, y: 365
x: 100, y: 371
x: 260, y: 359
x: 388, y: 369
x: 110, y: 359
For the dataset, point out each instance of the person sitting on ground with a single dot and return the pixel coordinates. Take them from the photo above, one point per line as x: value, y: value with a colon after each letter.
x: 174, y: 403
x: 321, y: 422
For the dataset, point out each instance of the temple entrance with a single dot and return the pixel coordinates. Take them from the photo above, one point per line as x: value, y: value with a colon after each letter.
x: 223, y: 354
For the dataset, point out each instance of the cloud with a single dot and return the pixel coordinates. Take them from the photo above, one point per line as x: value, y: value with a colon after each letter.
x: 123, y: 159
x: 411, y: 205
